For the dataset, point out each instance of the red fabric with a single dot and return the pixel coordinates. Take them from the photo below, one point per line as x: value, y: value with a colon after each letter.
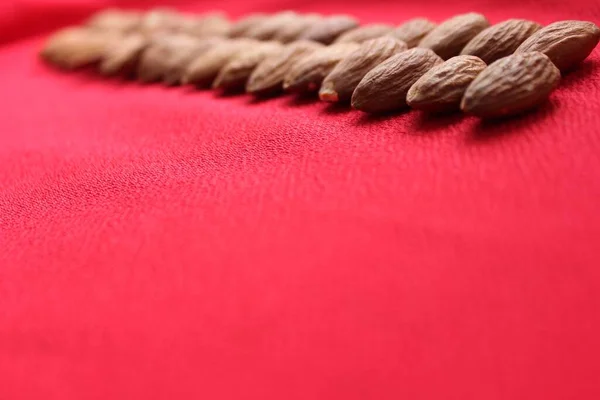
x: 172, y: 244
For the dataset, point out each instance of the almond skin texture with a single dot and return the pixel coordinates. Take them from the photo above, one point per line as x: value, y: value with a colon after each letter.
x: 567, y: 43
x: 339, y: 85
x: 451, y: 36
x: 115, y: 20
x: 178, y: 65
x: 329, y: 29
x: 364, y: 33
x: 500, y: 40
x: 385, y: 87
x: 204, y: 26
x: 243, y: 25
x: 73, y: 48
x: 203, y: 70
x: 308, y: 73
x: 511, y: 85
x: 122, y: 58
x: 413, y: 31
x: 235, y: 73
x: 296, y: 27
x: 269, y: 74
x: 442, y: 87
x: 269, y: 28
x: 161, y: 55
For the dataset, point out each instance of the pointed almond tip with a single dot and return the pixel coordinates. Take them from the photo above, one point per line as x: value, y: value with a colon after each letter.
x: 329, y: 95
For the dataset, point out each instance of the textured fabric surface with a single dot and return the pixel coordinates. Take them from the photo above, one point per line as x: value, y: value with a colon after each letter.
x: 173, y: 244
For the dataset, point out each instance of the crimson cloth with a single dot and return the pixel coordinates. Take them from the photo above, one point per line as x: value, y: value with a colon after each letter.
x: 169, y: 243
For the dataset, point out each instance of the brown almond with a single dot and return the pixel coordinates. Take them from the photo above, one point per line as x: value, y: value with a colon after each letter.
x: 77, y: 47
x: 203, y: 70
x: 269, y: 74
x: 451, y: 36
x: 385, y: 87
x: 163, y: 53
x: 236, y: 72
x: 308, y: 73
x: 296, y: 27
x: 205, y: 25
x: 442, y: 87
x: 160, y: 20
x: 115, y: 20
x: 567, y: 43
x: 364, y: 33
x: 269, y: 28
x: 243, y: 25
x: 328, y: 29
x: 511, y: 85
x: 413, y: 31
x: 179, y: 62
x: 500, y: 40
x: 339, y: 85
x: 123, y: 56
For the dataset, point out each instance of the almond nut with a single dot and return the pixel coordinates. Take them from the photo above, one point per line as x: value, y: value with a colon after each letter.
x: 243, y: 25
x: 296, y: 27
x: 236, y: 72
x: 364, y: 33
x: 273, y: 24
x: 339, y: 85
x: 451, y: 36
x: 162, y: 53
x: 442, y: 87
x: 511, y: 85
x: 177, y: 65
x: 413, y: 31
x: 385, y: 87
x: 328, y: 29
x: 115, y: 20
x: 77, y: 47
x: 123, y: 56
x: 500, y: 40
x: 308, y: 73
x: 269, y: 74
x: 567, y: 43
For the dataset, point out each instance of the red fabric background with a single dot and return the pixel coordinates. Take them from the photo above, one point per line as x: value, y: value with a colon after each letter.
x: 170, y: 244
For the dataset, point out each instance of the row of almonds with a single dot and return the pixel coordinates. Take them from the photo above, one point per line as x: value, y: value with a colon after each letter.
x: 464, y: 62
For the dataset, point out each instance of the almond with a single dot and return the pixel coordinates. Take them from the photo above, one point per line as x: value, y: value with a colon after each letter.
x: 269, y: 74
x: 500, y: 40
x: 308, y: 73
x: 442, y: 87
x: 364, y: 33
x: 77, y: 47
x: 243, y: 25
x: 296, y: 27
x: 328, y: 29
x: 204, y: 69
x: 567, y: 43
x: 115, y: 20
x: 451, y: 36
x: 123, y: 56
x: 511, y: 85
x: 385, y: 87
x: 203, y: 26
x: 269, y: 28
x: 160, y: 20
x: 413, y: 31
x: 177, y: 65
x: 162, y: 53
x: 236, y: 72
x: 339, y: 85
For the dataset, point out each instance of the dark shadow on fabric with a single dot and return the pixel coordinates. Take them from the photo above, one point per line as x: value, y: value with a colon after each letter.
x: 426, y: 123
x: 579, y: 74
x: 336, y: 109
x: 372, y: 119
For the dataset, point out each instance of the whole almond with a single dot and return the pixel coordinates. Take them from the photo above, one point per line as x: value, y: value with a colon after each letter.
x: 77, y: 47
x: 339, y: 85
x: 308, y: 73
x: 511, y: 85
x: 162, y: 53
x: 385, y: 87
x: 451, y: 36
x: 204, y: 69
x: 269, y: 74
x: 442, y: 87
x: 567, y: 43
x: 500, y: 40
x: 328, y: 29
x: 115, y: 20
x: 123, y: 56
x: 234, y: 75
x: 413, y: 31
x: 269, y: 27
x: 204, y: 25
x: 296, y: 27
x: 160, y: 20
x: 364, y: 33
x: 243, y: 25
